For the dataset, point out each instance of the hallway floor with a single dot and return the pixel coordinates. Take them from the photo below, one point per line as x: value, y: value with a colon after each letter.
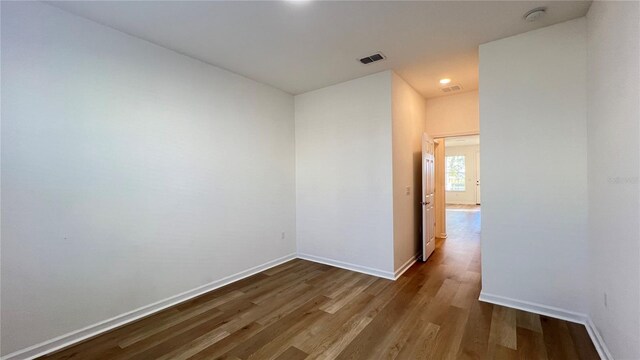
x: 304, y: 310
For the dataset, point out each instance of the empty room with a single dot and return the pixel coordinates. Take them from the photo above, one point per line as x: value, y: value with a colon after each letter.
x: 301, y: 179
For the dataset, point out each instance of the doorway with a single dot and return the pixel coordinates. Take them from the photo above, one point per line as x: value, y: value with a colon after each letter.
x: 457, y: 179
x: 462, y: 171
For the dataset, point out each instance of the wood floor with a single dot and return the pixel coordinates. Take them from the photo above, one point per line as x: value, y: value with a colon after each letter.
x: 304, y: 310
x: 463, y: 207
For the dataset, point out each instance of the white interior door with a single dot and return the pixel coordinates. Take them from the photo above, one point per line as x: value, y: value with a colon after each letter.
x: 478, y: 178
x: 428, y: 198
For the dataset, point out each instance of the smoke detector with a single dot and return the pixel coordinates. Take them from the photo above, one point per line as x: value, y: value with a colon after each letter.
x: 535, y: 14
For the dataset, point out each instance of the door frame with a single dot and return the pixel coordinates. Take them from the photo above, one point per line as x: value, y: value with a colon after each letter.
x: 478, y: 185
x: 440, y: 194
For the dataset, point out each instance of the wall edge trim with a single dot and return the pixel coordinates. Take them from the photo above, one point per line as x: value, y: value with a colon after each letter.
x: 348, y: 266
x: 401, y: 270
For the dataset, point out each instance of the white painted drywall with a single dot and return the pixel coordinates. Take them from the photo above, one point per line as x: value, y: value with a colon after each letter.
x: 408, y: 116
x: 613, y: 33
x: 344, y: 204
x: 453, y: 115
x: 468, y: 196
x: 534, y: 192
x: 130, y: 173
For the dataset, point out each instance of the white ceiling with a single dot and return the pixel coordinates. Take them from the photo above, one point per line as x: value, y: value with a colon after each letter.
x: 299, y: 46
x: 462, y: 141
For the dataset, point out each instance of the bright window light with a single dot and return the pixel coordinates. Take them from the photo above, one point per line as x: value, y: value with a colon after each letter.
x: 455, y: 170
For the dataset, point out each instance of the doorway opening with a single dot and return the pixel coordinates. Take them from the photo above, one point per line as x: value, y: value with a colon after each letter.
x: 458, y: 184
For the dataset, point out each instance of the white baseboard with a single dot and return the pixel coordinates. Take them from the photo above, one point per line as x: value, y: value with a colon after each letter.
x: 553, y: 312
x: 345, y: 265
x: 101, y: 327
x: 545, y: 310
x: 406, y: 266
x: 597, y: 340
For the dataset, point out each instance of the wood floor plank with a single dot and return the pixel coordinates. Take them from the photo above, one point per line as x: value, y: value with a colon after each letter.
x: 292, y: 353
x: 364, y: 345
x: 390, y: 346
x: 334, y: 345
x: 465, y: 296
x: 354, y: 290
x: 305, y: 310
x: 285, y: 308
x: 557, y: 339
x: 344, y: 285
x: 331, y: 275
x: 329, y: 325
x: 298, y: 318
x: 531, y: 345
x: 528, y: 321
x: 179, y: 317
x: 221, y: 291
x: 279, y: 344
x: 475, y: 341
x: 283, y: 289
x: 274, y: 283
x: 339, y: 339
x: 437, y: 310
x: 503, y: 327
x: 420, y: 341
x: 378, y: 286
x: 583, y: 345
x: 224, y: 346
x: 195, y: 346
x: 449, y: 338
x: 471, y: 277
x: 248, y: 339
x: 499, y: 352
x: 282, y: 267
x: 183, y: 332
x: 166, y: 346
x: 421, y: 311
x: 145, y: 333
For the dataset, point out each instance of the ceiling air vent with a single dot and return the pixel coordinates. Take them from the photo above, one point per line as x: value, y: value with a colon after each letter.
x: 451, y: 88
x: 372, y: 58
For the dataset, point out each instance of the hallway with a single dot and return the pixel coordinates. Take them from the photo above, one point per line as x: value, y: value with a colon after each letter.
x: 497, y: 332
x: 305, y: 310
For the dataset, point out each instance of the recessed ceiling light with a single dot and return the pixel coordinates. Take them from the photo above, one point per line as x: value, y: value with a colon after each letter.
x: 445, y: 81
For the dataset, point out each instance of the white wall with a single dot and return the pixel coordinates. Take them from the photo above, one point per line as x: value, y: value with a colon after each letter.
x: 453, y: 115
x: 344, y: 204
x: 534, y: 191
x: 408, y: 113
x: 614, y: 167
x: 469, y: 195
x: 130, y: 173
